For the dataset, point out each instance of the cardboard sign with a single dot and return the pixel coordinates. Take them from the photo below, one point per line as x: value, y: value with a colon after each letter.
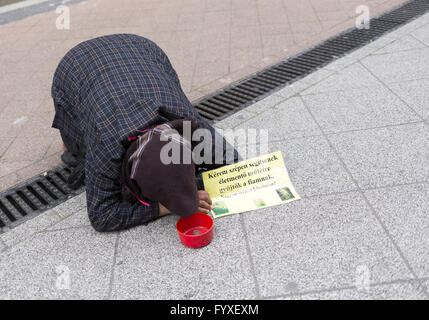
x: 249, y: 185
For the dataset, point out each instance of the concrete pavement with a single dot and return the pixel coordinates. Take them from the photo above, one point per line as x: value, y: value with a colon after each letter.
x: 211, y: 43
x: 355, y: 138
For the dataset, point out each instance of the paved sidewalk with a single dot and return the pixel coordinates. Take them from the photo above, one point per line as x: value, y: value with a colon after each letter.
x: 211, y: 43
x: 355, y: 138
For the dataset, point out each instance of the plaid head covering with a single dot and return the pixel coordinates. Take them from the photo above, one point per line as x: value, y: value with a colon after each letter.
x: 149, y: 175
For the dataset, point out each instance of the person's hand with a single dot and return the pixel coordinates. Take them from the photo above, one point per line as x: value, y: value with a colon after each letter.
x: 163, y: 210
x: 205, y: 201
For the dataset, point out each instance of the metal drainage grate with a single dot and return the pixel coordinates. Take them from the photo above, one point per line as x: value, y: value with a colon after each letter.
x: 34, y: 196
x: 239, y: 95
x: 45, y: 191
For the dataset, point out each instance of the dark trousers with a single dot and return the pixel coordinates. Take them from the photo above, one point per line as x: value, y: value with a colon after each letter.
x: 74, y: 157
x: 77, y: 151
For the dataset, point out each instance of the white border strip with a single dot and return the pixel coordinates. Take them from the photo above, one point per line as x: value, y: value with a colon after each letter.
x: 19, y: 5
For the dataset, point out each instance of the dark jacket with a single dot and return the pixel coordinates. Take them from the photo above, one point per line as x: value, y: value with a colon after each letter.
x: 105, y: 90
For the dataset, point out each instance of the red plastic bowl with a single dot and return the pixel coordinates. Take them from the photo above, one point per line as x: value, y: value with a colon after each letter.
x: 195, y: 231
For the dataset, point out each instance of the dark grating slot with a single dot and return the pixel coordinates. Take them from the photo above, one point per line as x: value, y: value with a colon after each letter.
x: 263, y: 84
x: 65, y: 173
x: 289, y: 66
x: 37, y: 195
x: 51, y: 180
x: 216, y: 107
x: 257, y: 86
x: 232, y: 102
x: 294, y: 70
x: 16, y: 205
x: 7, y: 212
x: 209, y: 110
x: 59, y: 175
x: 328, y: 53
x: 302, y: 61
x: 26, y: 200
x: 49, y: 192
x: 205, y: 115
x: 314, y: 59
x: 278, y: 74
x: 253, y: 84
x: 2, y: 223
x: 221, y: 103
x: 244, y: 91
x: 225, y: 101
x: 250, y: 88
x: 289, y: 74
x: 235, y: 99
x: 342, y: 45
x: 271, y: 78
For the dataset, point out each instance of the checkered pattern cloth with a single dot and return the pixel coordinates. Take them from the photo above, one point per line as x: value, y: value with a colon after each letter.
x: 105, y: 90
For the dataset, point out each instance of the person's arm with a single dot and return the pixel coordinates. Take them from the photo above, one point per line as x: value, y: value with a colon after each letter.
x: 106, y: 209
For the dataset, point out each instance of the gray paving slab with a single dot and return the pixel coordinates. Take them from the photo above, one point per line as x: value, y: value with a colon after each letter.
x: 352, y: 77
x: 340, y: 64
x: 385, y: 156
x: 407, y: 42
x: 415, y: 94
x: 308, y: 249
x: 72, y: 264
x: 317, y: 76
x: 320, y: 243
x: 293, y: 89
x: 402, y: 66
x: 358, y: 109
x: 289, y: 119
x: 74, y: 220
x: 381, y: 42
x: 151, y: 263
x: 72, y: 205
x: 235, y: 119
x: 313, y: 166
x: 30, y: 227
x: 422, y: 34
x: 265, y: 103
x: 361, y: 53
x: 404, y: 211
x: 409, y: 290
